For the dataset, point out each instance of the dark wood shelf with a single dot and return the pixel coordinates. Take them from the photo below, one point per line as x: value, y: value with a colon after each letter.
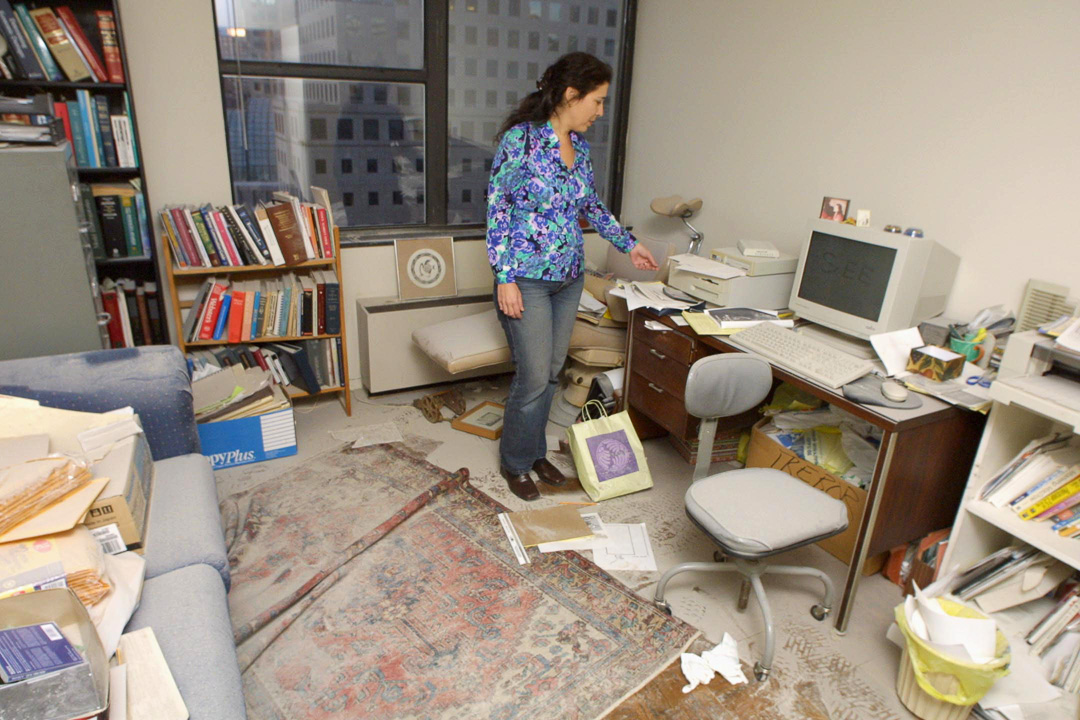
x: 107, y: 171
x: 124, y: 260
x: 61, y: 85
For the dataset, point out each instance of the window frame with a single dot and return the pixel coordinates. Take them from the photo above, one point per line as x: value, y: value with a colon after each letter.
x: 434, y: 79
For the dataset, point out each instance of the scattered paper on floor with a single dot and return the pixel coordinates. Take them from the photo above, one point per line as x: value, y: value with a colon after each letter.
x: 628, y: 548
x: 599, y: 537
x: 380, y: 434
x: 723, y: 659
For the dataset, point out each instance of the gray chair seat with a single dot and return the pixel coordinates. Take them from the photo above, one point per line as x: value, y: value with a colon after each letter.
x: 759, y: 512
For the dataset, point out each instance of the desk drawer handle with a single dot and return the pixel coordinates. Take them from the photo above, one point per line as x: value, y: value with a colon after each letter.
x: 660, y: 355
x: 657, y: 389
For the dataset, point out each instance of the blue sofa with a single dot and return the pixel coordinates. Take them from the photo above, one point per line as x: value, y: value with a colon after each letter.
x: 187, y: 569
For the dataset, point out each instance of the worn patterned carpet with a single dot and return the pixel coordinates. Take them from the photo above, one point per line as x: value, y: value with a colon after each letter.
x: 371, y: 584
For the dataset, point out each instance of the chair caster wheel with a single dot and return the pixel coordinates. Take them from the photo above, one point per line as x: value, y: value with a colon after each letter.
x: 718, y: 556
x: 820, y: 612
x: 761, y: 673
x: 663, y: 605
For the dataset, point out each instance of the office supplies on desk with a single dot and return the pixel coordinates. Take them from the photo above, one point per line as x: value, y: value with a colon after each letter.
x: 894, y: 349
x: 744, y: 317
x: 761, y: 291
x: 756, y: 265
x: 758, y: 249
x: 867, y: 390
x: 805, y: 356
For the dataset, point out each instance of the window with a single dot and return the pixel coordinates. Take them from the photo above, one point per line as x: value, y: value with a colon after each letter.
x: 372, y: 166
x: 316, y: 86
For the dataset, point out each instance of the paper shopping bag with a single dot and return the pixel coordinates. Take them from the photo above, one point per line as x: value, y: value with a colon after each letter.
x: 607, y: 453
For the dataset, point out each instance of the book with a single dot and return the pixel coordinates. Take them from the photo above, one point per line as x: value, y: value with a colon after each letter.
x: 1065, y: 491
x: 320, y: 294
x: 1059, y: 474
x: 236, y: 316
x: 302, y: 224
x: 304, y: 378
x: 287, y: 232
x: 110, y: 46
x: 144, y: 316
x: 239, y: 230
x: 191, y: 326
x: 133, y: 314
x: 125, y: 147
x: 111, y: 305
x: 251, y: 226
x: 211, y: 310
x: 333, y: 303
x: 198, y: 229
x: 142, y: 217
x: 172, y: 237
x: 78, y: 49
x: 741, y: 317
x: 26, y: 63
x: 89, y: 54
x: 125, y: 315
x: 93, y: 222
x: 266, y: 229
x: 187, y: 240
x: 78, y: 134
x: 1065, y: 504
x: 307, y: 304
x: 88, y: 115
x: 60, y: 111
x: 59, y: 44
x: 223, y: 316
x: 153, y: 307
x: 104, y: 132
x: 32, y: 650
x: 112, y: 223
x: 1032, y: 449
x: 37, y: 43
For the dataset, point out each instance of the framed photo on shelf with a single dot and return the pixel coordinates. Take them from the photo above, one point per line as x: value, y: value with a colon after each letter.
x: 834, y: 209
x: 425, y: 268
x: 485, y: 420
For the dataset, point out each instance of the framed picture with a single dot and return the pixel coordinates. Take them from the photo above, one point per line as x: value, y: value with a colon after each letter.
x: 485, y: 420
x: 834, y: 209
x: 425, y: 268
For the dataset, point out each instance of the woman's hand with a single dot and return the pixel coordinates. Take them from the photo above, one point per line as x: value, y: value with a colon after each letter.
x: 510, y: 300
x: 641, y: 257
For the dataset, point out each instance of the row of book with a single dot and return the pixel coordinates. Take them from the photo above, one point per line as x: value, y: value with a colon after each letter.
x: 308, y: 365
x: 117, y: 220
x: 51, y: 44
x: 288, y: 232
x: 289, y: 306
x: 1041, y: 483
x: 1054, y: 629
x: 134, y: 313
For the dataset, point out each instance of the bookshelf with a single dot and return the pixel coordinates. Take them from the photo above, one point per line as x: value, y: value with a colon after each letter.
x: 141, y: 267
x: 180, y: 279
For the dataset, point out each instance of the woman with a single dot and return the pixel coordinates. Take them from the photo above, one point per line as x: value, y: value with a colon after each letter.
x: 541, y: 181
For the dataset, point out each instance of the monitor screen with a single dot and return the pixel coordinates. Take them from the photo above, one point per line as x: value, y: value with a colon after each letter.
x: 846, y: 275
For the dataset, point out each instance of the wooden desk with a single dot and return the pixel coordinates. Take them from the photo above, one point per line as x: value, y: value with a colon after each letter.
x: 922, y: 465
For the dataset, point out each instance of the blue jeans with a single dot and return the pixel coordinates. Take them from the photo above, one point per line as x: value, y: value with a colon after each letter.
x: 538, y: 343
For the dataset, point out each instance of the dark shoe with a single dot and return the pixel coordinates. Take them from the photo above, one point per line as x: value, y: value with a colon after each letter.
x: 548, y: 472
x: 521, y: 485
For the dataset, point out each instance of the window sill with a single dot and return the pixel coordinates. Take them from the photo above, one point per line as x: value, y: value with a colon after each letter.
x: 372, y: 237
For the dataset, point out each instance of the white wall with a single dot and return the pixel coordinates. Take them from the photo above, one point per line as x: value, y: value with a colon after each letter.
x: 958, y: 117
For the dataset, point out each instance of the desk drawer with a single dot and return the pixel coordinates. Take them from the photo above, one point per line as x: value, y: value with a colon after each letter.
x: 658, y: 368
x: 661, y: 406
x: 671, y: 343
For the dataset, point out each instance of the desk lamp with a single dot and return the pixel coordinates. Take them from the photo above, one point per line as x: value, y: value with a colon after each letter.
x: 675, y: 206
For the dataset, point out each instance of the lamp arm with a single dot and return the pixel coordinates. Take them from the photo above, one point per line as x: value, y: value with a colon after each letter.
x: 695, y: 237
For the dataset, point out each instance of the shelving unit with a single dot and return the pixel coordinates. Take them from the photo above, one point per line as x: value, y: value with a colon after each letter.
x: 179, y: 277
x: 140, y: 268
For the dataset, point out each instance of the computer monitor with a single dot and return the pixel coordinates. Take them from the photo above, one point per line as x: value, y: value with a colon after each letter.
x: 862, y: 281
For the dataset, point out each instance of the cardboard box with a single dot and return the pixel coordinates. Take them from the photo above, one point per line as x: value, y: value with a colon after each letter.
x: 766, y: 452
x: 249, y: 440
x: 935, y: 363
x: 118, y: 517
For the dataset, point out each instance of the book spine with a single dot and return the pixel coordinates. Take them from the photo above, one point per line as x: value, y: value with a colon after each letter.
x: 236, y: 316
x: 59, y: 44
x: 134, y: 319
x: 1063, y: 505
x: 1065, y: 491
x: 25, y: 61
x: 60, y: 111
x: 112, y: 225
x: 153, y: 308
x: 144, y: 317
x: 256, y: 301
x: 78, y: 134
x: 340, y: 363
x: 83, y: 42
x: 1067, y: 518
x: 213, y: 307
x: 320, y: 291
x: 132, y: 241
x: 179, y: 224
x: 131, y: 125
x: 78, y: 50
x: 171, y: 234
x: 88, y: 114
x: 104, y: 131
x: 122, y: 138
x: 144, y: 222
x: 253, y: 230
x: 333, y: 308
x: 93, y: 229
x: 223, y: 316
x: 236, y: 254
x: 112, y: 307
x: 204, y: 237
x: 37, y: 44
x: 324, y: 232
x: 110, y: 46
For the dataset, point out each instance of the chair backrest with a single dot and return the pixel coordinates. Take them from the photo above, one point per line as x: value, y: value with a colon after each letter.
x: 726, y: 384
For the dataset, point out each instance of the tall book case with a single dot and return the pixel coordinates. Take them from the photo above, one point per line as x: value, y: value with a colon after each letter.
x: 141, y: 268
x: 179, y: 278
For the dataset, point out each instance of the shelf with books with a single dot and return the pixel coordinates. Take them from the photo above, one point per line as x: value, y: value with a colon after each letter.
x: 286, y: 318
x: 67, y: 57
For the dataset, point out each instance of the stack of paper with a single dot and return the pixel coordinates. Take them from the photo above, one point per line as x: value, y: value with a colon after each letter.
x: 236, y: 392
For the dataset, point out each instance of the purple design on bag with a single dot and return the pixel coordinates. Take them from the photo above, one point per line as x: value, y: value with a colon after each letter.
x: 612, y: 455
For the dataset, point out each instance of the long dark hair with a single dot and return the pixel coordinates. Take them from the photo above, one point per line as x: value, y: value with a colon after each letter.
x: 578, y: 70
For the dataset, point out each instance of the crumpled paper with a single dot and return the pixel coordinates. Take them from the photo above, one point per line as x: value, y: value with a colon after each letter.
x: 723, y: 659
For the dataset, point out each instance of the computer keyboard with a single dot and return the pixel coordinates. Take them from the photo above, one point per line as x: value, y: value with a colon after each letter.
x: 812, y: 358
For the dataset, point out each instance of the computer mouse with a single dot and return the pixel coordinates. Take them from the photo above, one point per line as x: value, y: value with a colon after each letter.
x: 894, y: 391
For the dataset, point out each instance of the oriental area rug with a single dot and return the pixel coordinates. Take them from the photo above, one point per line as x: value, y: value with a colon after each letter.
x: 371, y: 584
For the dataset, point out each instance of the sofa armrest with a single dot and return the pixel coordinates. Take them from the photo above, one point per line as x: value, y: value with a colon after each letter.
x: 153, y: 380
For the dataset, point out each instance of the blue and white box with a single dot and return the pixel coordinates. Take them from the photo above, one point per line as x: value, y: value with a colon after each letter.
x: 249, y: 440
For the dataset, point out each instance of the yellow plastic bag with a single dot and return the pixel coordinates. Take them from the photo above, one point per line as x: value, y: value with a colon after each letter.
x: 607, y: 454
x: 973, y: 679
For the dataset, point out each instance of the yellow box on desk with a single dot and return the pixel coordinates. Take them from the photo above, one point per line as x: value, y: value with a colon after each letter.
x: 935, y: 363
x: 766, y: 452
x: 118, y: 517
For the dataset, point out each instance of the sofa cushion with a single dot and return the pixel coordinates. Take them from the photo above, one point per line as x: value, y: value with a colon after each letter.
x: 184, y: 527
x: 465, y: 343
x: 189, y: 614
x: 154, y: 380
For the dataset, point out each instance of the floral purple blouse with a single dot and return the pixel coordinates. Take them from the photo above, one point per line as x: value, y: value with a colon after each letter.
x: 533, y: 205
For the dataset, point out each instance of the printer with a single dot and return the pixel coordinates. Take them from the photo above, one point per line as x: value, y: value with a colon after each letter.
x: 1030, y: 353
x: 766, y: 284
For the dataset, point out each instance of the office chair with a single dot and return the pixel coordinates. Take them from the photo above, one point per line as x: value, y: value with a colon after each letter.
x: 752, y: 513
